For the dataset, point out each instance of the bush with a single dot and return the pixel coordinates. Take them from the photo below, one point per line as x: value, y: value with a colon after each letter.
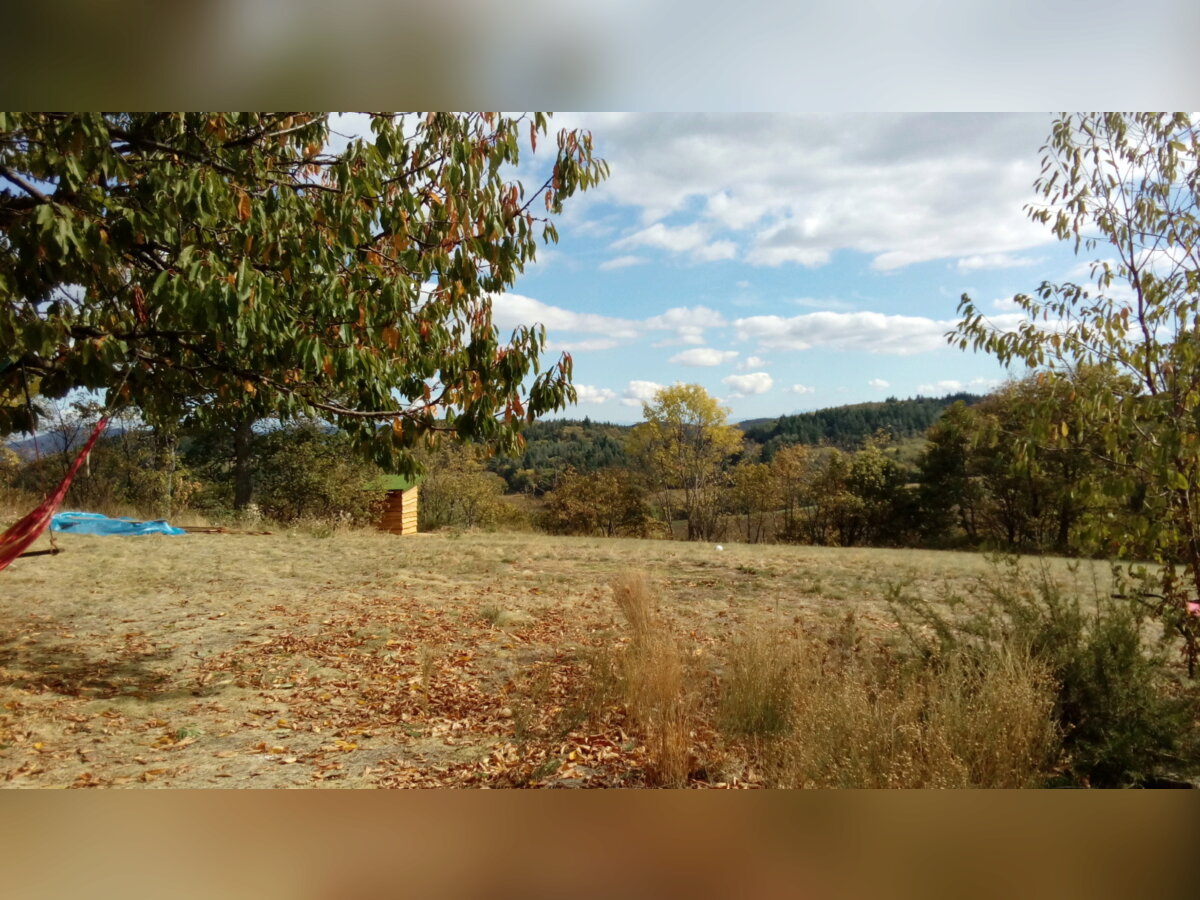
x: 1123, y: 712
x: 609, y: 502
x: 459, y: 493
x: 846, y: 712
x: 126, y: 473
x: 309, y: 475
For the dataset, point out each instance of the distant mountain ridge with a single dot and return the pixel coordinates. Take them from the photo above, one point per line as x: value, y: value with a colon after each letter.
x: 47, y: 443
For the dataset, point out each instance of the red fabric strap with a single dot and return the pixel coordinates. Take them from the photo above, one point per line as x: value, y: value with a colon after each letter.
x: 14, y: 541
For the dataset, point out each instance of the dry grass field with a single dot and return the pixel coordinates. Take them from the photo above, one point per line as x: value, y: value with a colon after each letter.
x: 366, y: 659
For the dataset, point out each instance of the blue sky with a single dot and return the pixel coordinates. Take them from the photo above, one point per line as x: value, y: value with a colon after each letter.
x: 788, y: 262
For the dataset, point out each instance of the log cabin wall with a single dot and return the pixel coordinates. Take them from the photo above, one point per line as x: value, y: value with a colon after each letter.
x: 400, y: 511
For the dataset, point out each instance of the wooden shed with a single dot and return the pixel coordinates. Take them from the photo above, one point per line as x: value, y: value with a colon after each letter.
x: 399, y: 514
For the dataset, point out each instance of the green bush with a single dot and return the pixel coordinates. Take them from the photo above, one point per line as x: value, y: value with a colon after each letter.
x: 1124, y: 713
x: 458, y: 493
x: 309, y: 475
x: 126, y: 473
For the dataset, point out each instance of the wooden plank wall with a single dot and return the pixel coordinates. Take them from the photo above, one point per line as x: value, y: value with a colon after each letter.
x: 400, y: 512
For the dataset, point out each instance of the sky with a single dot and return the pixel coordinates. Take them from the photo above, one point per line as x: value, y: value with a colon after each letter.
x: 788, y: 262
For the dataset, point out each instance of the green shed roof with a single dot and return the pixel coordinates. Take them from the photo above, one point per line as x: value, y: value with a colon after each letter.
x: 393, y: 483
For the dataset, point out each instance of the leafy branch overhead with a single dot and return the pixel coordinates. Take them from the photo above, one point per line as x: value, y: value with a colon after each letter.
x: 1128, y: 188
x: 201, y: 261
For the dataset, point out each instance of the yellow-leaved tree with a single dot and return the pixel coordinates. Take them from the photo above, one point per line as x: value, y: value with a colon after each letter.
x: 684, y: 444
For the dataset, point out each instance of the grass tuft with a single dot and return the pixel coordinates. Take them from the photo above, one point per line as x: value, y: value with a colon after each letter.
x: 847, y: 712
x: 654, y: 683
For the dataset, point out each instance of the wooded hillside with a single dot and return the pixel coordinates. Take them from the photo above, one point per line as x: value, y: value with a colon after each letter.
x: 846, y: 427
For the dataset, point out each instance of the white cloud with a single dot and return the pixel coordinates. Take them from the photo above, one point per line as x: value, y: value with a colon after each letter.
x: 545, y: 256
x: 878, y: 383
x: 594, y: 226
x: 704, y: 356
x: 901, y: 188
x: 953, y: 386
x: 717, y: 250
x: 1083, y: 269
x: 589, y: 394
x: 678, y: 240
x: 578, y: 346
x: 751, y: 362
x: 638, y: 392
x: 773, y: 250
x: 801, y: 389
x: 511, y: 310
x: 695, y: 239
x: 752, y: 383
x: 995, y: 261
x: 870, y: 331
x: 947, y: 386
x: 688, y: 323
x: 622, y: 262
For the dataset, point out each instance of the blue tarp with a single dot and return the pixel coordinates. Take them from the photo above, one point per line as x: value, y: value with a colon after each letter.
x: 94, y: 523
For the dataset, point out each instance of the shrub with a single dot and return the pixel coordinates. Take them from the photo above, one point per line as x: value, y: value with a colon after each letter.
x: 458, y: 493
x: 1122, y: 710
x: 608, y: 502
x: 309, y: 475
x: 125, y: 474
x: 846, y: 712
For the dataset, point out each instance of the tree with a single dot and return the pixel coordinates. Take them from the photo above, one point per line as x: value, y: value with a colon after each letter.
x: 608, y: 502
x: 306, y: 472
x: 460, y: 493
x: 238, y: 266
x: 755, y: 494
x: 1131, y: 185
x: 835, y: 512
x: 950, y: 491
x: 877, y: 483
x: 792, y: 468
x: 685, y: 443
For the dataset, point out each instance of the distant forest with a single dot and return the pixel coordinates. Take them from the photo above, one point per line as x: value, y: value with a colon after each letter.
x: 846, y: 427
x: 551, y: 447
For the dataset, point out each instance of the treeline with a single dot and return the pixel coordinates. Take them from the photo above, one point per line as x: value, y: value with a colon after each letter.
x: 984, y: 478
x: 301, y: 473
x: 846, y: 427
x: 553, y: 447
x: 989, y: 476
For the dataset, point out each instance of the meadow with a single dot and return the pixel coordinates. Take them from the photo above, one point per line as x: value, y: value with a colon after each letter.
x: 366, y: 659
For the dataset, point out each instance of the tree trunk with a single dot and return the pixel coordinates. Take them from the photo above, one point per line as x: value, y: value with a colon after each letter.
x: 243, y: 483
x: 1066, y: 517
x: 165, y: 445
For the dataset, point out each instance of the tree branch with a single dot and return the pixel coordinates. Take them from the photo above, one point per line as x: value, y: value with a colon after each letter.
x: 24, y: 185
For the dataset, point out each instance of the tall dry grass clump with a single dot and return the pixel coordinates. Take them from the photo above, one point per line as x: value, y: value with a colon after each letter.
x: 631, y: 591
x: 653, y: 682
x: 844, y: 712
x: 758, y: 688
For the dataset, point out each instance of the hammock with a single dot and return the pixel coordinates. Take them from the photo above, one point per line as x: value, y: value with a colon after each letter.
x: 14, y: 541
